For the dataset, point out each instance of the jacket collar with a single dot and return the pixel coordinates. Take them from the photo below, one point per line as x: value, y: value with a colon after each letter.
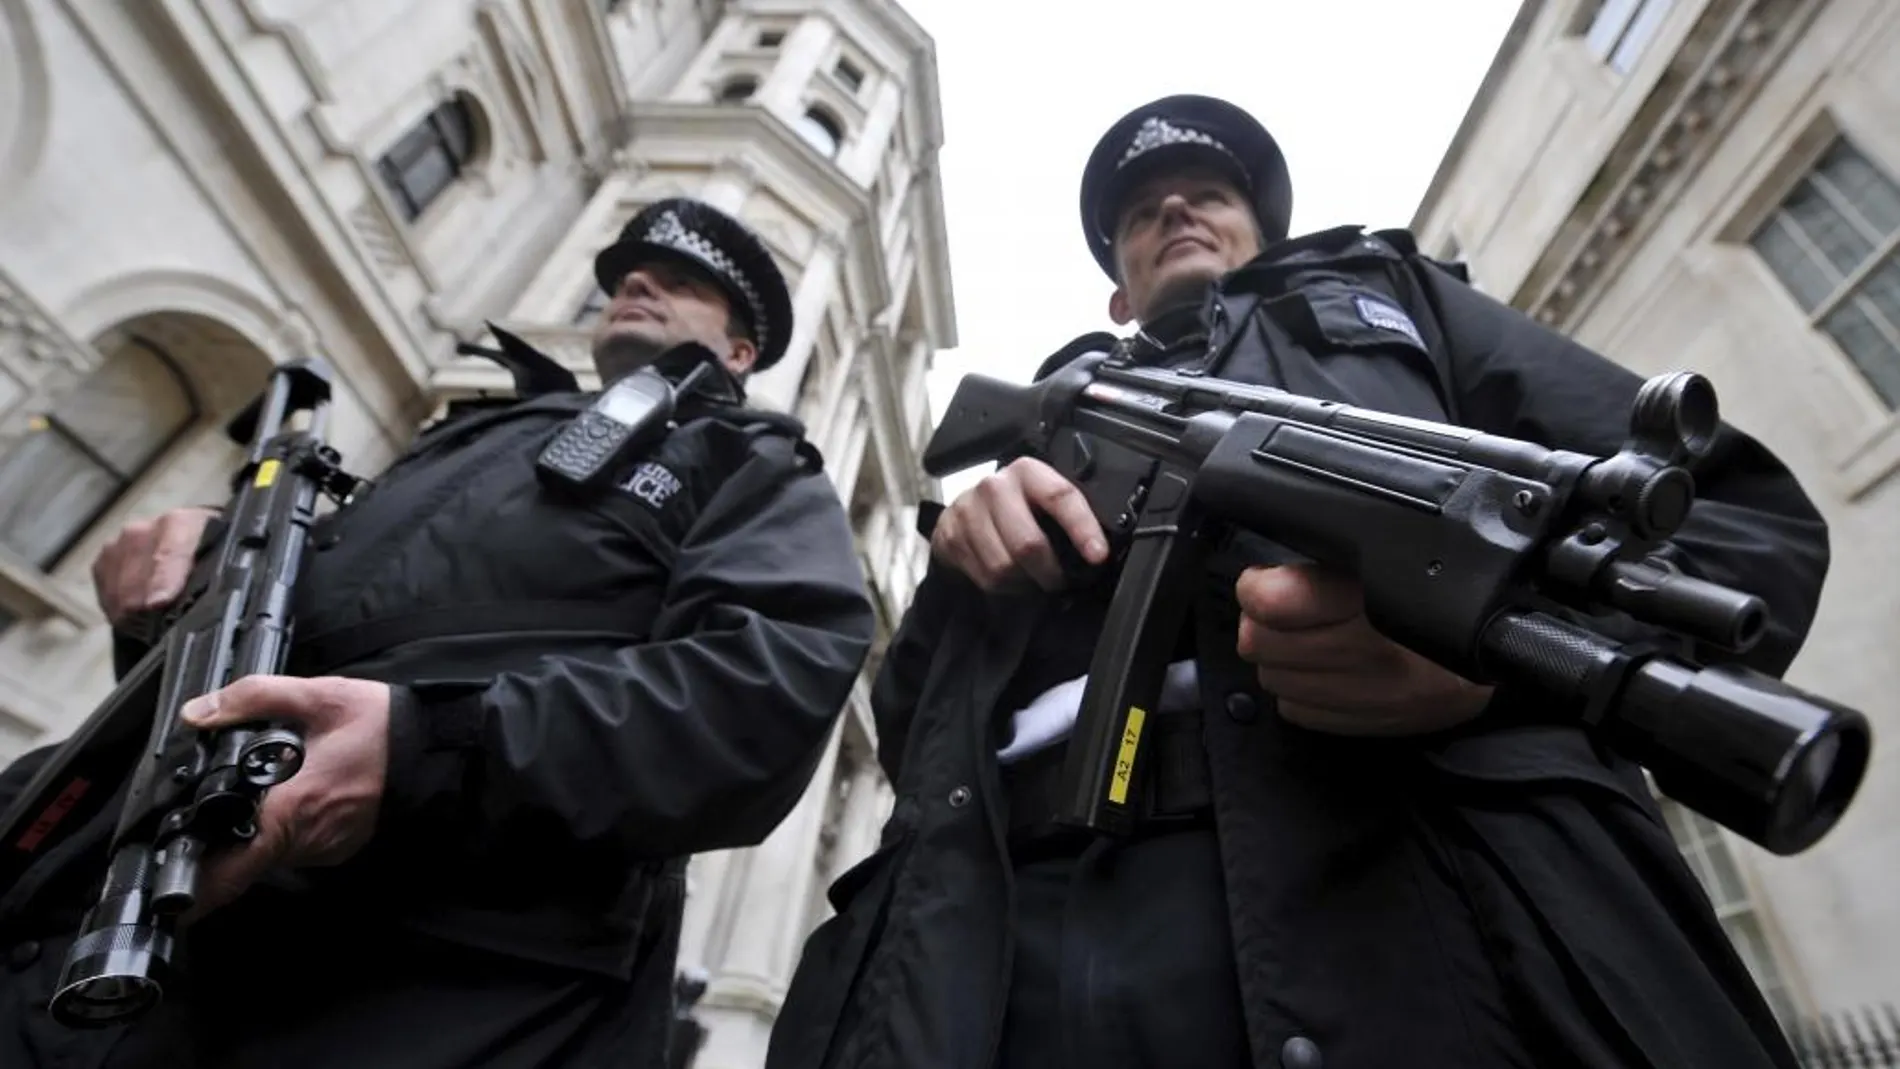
x: 537, y: 374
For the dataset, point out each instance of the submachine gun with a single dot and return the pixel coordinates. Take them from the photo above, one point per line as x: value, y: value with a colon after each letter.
x: 187, y: 792
x: 1470, y: 548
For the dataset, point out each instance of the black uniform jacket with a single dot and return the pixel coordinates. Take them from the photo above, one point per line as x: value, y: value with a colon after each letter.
x: 586, y: 690
x: 1505, y: 895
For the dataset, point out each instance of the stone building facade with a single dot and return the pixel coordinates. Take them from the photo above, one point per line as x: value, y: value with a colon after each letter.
x: 1714, y: 185
x: 194, y: 190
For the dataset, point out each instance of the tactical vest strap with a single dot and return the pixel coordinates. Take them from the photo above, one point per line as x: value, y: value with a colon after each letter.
x: 326, y: 652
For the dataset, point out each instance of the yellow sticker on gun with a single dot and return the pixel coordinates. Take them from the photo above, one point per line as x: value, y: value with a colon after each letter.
x: 1125, y: 760
x: 266, y: 473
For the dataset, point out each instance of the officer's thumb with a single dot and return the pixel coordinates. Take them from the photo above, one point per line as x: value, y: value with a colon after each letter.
x: 206, y: 710
x: 244, y: 700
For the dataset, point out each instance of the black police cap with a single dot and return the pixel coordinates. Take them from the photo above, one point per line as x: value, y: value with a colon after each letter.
x: 680, y: 228
x: 1177, y: 132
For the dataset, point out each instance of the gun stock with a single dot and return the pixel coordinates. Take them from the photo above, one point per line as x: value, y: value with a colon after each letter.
x: 989, y: 419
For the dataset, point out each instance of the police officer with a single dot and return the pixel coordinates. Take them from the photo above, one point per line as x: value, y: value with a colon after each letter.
x: 525, y: 707
x: 1348, y: 856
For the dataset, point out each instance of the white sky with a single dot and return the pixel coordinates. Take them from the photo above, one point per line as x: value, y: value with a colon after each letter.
x: 1363, y: 96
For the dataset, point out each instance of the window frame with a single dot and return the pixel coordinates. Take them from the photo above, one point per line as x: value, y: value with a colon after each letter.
x: 850, y: 74
x: 1706, y: 845
x: 126, y: 481
x: 817, y: 114
x: 1884, y: 250
x: 725, y: 94
x: 423, y: 140
x: 1636, y: 28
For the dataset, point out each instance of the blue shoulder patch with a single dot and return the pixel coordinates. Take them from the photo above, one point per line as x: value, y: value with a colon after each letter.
x: 1386, y: 316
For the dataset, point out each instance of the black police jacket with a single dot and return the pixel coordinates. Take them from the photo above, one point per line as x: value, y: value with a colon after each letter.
x: 1506, y: 895
x: 585, y: 691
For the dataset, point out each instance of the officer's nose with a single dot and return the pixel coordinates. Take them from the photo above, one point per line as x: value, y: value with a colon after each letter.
x: 1173, y: 203
x: 638, y: 283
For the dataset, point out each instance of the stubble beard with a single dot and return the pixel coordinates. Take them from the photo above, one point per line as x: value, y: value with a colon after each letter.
x: 620, y: 353
x: 1186, y: 288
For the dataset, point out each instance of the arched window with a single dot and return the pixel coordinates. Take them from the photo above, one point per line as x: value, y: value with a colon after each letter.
x: 77, y: 459
x: 428, y: 159
x: 738, y: 91
x: 824, y: 132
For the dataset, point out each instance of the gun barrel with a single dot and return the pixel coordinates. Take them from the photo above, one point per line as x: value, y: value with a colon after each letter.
x: 1763, y: 758
x: 1697, y: 608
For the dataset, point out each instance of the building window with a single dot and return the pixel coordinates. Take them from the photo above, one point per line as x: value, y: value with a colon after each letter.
x: 771, y: 38
x: 590, y: 309
x: 428, y: 159
x: 1622, y: 29
x: 76, y: 460
x: 823, y: 132
x: 738, y: 90
x: 849, y: 74
x: 1713, y: 863
x: 1831, y: 243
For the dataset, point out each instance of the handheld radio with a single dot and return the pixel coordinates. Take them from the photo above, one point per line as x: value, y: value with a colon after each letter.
x: 626, y: 419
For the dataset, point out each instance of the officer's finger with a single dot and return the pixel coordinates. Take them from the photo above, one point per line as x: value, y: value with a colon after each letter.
x: 1293, y: 597
x: 124, y: 564
x: 1045, y: 488
x: 946, y: 538
x: 258, y: 697
x: 1023, y: 540
x: 176, y: 543
x: 229, y: 872
x: 990, y: 564
x: 1350, y: 647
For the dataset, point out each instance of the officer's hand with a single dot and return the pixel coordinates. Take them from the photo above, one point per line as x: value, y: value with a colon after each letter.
x: 327, y: 811
x: 989, y: 532
x: 146, y: 564
x: 1306, y: 631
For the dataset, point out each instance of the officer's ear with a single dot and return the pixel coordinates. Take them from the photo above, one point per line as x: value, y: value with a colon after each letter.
x: 741, y: 351
x: 741, y: 354
x: 1118, y: 309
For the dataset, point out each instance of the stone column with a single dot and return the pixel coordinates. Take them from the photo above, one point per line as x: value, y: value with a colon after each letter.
x: 706, y: 876
x: 834, y: 390
x: 803, y: 49
x: 844, y: 462
x: 778, y: 387
x: 866, y: 153
x: 766, y: 929
x: 862, y: 821
x: 693, y: 86
x: 916, y: 350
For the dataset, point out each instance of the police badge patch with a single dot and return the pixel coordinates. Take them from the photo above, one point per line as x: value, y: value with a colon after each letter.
x: 1387, y: 317
x: 652, y: 483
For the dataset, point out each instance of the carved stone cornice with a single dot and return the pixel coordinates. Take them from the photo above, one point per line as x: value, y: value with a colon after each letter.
x: 740, y: 166
x: 36, y: 334
x: 1733, y: 48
